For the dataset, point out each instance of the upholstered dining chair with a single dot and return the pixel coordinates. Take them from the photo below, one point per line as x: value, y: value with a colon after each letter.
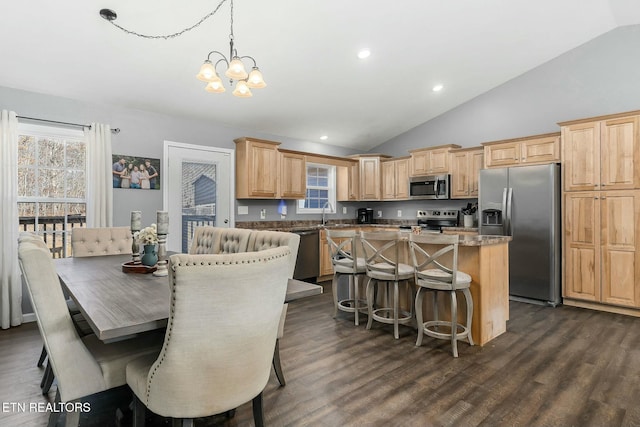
x: 82, y: 366
x: 382, y: 250
x: 347, y: 259
x: 225, y: 310
x: 435, y: 259
x: 219, y: 240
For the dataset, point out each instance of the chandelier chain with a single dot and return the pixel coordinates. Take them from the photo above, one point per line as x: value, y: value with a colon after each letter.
x: 181, y: 32
x: 231, y: 33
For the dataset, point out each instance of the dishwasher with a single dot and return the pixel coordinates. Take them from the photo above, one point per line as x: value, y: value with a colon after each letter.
x: 308, y: 262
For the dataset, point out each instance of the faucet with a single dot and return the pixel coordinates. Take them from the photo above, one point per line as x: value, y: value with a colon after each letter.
x: 323, y: 208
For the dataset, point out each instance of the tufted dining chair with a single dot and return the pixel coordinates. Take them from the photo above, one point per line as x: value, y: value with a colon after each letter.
x: 219, y: 240
x: 82, y: 366
x: 225, y: 310
x: 100, y: 241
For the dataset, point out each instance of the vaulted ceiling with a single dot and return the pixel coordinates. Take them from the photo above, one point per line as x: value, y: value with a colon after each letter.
x: 307, y: 51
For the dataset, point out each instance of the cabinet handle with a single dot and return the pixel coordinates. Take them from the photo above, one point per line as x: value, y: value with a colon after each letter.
x: 595, y: 198
x: 603, y: 198
x: 603, y: 184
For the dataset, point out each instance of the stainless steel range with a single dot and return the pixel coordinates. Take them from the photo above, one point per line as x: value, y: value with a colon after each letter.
x: 437, y: 218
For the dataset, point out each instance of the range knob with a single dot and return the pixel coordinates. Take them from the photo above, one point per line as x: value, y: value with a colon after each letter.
x: 436, y: 212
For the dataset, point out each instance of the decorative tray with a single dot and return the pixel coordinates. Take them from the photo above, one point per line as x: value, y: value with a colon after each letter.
x: 137, y: 267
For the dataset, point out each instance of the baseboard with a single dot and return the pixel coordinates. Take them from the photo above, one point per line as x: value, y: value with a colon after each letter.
x: 28, y: 317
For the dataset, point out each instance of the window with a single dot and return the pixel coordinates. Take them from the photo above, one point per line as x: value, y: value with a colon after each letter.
x: 51, y: 183
x: 321, y: 185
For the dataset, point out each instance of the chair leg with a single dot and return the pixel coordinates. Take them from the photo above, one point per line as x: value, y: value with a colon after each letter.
x: 186, y: 422
x: 396, y: 297
x: 353, y: 284
x: 334, y: 289
x: 454, y: 323
x: 277, y: 367
x: 369, y: 292
x: 258, y: 411
x: 55, y: 415
x: 47, y: 379
x: 138, y: 412
x: 467, y: 296
x: 419, y: 298
x: 43, y: 355
x: 72, y: 419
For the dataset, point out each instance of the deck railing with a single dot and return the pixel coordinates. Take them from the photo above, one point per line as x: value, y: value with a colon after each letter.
x: 55, y: 230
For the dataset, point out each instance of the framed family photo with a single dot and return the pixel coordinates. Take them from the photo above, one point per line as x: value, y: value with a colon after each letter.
x: 138, y: 173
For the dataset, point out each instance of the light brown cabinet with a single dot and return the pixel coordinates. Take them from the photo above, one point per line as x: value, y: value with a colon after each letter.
x: 430, y: 161
x: 370, y: 183
x: 601, y: 154
x: 348, y: 180
x: 293, y: 175
x: 256, y: 170
x: 465, y: 171
x: 602, y: 260
x: 395, y: 179
x: 532, y: 150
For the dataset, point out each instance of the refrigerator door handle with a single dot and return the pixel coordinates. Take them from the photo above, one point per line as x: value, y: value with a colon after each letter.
x: 509, y: 211
x: 505, y: 217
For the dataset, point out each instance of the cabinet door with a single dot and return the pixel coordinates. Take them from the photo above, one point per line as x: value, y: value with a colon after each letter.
x: 388, y: 180
x: 293, y: 173
x: 477, y: 163
x: 419, y: 163
x: 501, y: 155
x: 581, y: 156
x: 263, y: 176
x: 326, y: 268
x: 369, y: 178
x: 582, y: 246
x: 354, y: 182
x: 459, y: 175
x: 620, y: 154
x: 542, y: 150
x: 620, y: 216
x: 402, y: 179
x: 439, y: 161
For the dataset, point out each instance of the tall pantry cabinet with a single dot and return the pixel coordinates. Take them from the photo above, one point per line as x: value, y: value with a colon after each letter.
x: 601, y: 163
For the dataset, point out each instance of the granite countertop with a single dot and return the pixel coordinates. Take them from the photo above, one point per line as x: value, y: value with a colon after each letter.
x: 462, y: 228
x: 483, y: 240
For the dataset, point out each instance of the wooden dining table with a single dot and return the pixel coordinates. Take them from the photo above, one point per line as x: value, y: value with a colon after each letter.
x: 118, y: 305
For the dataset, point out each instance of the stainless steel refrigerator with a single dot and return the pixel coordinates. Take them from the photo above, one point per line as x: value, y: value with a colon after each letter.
x: 524, y: 202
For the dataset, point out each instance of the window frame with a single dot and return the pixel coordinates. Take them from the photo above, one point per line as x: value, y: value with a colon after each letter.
x: 331, y: 188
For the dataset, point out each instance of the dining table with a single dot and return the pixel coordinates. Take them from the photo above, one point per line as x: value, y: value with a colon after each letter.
x: 118, y: 305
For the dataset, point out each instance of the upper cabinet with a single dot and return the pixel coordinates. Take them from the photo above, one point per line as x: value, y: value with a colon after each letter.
x: 395, y: 179
x: 430, y: 161
x: 601, y: 153
x: 293, y: 174
x: 465, y: 170
x: 256, y: 168
x: 370, y: 176
x: 531, y: 150
x: 348, y: 182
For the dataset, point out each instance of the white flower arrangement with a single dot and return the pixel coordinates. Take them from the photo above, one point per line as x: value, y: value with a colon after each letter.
x: 148, y: 235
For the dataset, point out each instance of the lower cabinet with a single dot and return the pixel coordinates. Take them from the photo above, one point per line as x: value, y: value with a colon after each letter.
x: 602, y: 260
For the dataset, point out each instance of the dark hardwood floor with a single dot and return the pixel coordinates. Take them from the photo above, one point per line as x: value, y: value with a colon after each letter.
x: 554, y: 367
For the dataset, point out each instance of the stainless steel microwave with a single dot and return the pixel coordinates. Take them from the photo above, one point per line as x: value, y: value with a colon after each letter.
x: 429, y: 187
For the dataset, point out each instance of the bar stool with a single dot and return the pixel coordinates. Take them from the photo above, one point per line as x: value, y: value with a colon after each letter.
x: 382, y: 258
x: 429, y: 250
x: 343, y: 249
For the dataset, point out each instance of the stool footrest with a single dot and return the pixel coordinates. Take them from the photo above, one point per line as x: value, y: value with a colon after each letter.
x: 427, y: 327
x: 404, y: 317
x: 348, y: 305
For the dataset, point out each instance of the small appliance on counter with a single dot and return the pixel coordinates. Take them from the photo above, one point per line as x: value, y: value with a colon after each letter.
x: 434, y: 220
x: 365, y: 216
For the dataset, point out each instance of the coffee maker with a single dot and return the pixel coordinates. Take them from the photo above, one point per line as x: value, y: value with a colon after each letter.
x: 365, y: 216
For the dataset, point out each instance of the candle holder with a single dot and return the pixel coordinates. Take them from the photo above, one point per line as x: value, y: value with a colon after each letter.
x: 136, y: 225
x: 162, y: 231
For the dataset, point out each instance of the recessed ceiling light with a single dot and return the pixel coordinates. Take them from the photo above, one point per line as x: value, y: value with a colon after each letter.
x: 324, y: 137
x: 364, y: 53
x: 438, y: 88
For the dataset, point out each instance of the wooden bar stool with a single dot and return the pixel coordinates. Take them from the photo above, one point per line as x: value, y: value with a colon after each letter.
x: 343, y: 248
x: 429, y: 250
x: 382, y: 257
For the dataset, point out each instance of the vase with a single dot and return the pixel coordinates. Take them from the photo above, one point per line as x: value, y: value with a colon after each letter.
x: 468, y: 221
x: 150, y: 257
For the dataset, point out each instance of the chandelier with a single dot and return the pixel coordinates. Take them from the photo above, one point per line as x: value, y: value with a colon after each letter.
x: 235, y: 71
x: 208, y: 73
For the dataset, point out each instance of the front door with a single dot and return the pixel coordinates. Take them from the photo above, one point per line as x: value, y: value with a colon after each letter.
x: 198, y: 190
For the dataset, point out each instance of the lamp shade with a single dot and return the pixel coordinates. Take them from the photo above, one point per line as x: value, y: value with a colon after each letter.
x: 215, y: 87
x: 207, y: 72
x: 236, y: 70
x: 255, y: 80
x: 242, y: 90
